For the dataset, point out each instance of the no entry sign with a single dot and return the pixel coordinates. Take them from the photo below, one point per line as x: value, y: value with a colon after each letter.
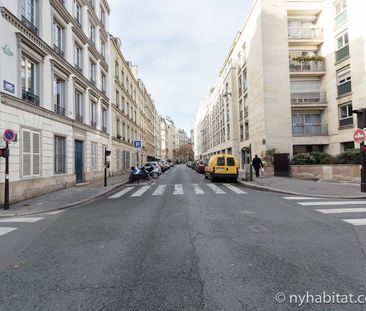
x: 359, y: 136
x: 9, y: 135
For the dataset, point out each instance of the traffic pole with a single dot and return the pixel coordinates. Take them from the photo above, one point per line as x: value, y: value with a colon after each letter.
x: 250, y: 161
x: 363, y: 167
x: 105, y: 166
x: 6, y: 193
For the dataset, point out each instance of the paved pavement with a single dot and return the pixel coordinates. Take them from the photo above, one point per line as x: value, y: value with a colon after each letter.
x: 64, y: 198
x: 305, y: 187
x: 183, y: 243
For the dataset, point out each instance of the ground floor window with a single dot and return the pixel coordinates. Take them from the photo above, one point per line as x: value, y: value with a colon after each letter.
x: 308, y: 148
x: 30, y: 153
x: 349, y: 145
x: 94, y: 156
x: 60, y: 155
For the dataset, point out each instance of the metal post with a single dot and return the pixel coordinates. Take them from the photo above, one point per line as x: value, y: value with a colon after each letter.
x: 250, y: 161
x: 6, y: 195
x: 105, y: 166
x: 363, y: 168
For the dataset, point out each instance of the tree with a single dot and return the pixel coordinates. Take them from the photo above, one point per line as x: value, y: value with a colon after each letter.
x: 185, y: 153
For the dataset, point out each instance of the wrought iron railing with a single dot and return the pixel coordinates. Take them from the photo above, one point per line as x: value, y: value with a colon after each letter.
x: 78, y: 68
x: 79, y: 118
x: 58, y: 50
x: 59, y: 110
x: 29, y: 25
x: 30, y: 97
x: 93, y: 124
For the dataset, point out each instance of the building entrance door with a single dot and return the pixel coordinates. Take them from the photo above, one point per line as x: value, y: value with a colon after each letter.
x: 79, y: 161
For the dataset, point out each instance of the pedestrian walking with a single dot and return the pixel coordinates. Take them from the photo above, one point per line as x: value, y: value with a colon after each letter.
x: 257, y: 164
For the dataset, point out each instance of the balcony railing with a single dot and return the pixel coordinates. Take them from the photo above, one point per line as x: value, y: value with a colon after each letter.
x: 29, y: 25
x: 344, y: 88
x: 30, y: 97
x: 342, y: 53
x: 78, y: 22
x: 304, y: 130
x: 93, y: 124
x: 104, y: 129
x: 93, y: 81
x: 341, y: 18
x: 59, y: 110
x: 310, y: 66
x: 79, y: 118
x: 58, y: 50
x: 303, y: 98
x: 300, y: 33
x: 78, y: 68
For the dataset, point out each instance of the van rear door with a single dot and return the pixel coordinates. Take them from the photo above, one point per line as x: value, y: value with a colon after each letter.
x: 230, y: 165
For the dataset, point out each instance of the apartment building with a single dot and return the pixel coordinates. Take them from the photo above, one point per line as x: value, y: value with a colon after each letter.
x: 299, y: 73
x: 168, y: 140
x: 54, y: 92
x: 181, y: 138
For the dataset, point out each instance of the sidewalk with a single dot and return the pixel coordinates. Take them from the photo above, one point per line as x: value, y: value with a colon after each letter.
x: 64, y: 198
x: 292, y: 186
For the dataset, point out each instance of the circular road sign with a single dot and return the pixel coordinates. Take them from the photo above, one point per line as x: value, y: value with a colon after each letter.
x: 359, y: 136
x: 9, y: 135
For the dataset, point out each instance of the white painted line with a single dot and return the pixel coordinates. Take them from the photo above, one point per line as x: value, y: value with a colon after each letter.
x: 332, y: 203
x: 121, y: 193
x: 178, y: 189
x: 216, y: 189
x: 301, y: 198
x: 6, y: 230
x: 197, y: 189
x: 342, y: 210
x: 54, y: 213
x: 159, y: 190
x: 22, y: 219
x: 141, y: 191
x: 356, y: 222
x: 235, y: 189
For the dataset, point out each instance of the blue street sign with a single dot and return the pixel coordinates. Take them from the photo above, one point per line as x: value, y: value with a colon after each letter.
x: 9, y: 87
x: 137, y: 144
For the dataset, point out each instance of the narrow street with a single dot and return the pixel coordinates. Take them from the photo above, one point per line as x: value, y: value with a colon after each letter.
x: 180, y: 243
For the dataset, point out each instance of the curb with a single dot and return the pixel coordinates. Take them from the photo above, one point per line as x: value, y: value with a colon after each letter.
x: 69, y: 205
x: 269, y: 189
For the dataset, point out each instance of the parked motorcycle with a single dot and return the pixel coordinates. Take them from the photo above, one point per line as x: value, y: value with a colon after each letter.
x: 138, y: 174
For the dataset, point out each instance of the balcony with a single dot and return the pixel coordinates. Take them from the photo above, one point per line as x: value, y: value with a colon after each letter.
x: 344, y: 88
x: 342, y: 53
x: 307, y: 67
x: 104, y: 129
x: 58, y: 50
x: 30, y: 98
x: 341, y: 18
x: 29, y: 25
x: 308, y: 98
x: 78, y: 68
x: 306, y: 130
x: 92, y: 81
x: 303, y: 35
x: 79, y: 118
x: 59, y: 110
x: 93, y: 124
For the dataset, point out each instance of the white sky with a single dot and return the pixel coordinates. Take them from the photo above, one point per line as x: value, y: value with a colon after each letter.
x: 179, y: 47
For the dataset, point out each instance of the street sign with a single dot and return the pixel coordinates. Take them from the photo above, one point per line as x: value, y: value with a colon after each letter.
x: 137, y: 144
x: 9, y: 135
x: 359, y: 136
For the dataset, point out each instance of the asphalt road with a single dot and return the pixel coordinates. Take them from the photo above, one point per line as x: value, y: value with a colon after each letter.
x: 179, y: 243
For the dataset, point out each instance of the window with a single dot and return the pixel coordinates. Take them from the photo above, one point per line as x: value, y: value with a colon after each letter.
x: 349, y: 145
x: 59, y: 95
x: 246, y: 130
x: 123, y: 104
x: 344, y: 81
x: 102, y: 16
x: 93, y: 72
x: 91, y: 32
x: 93, y: 114
x: 102, y: 48
x: 118, y: 128
x: 116, y: 70
x: 340, y: 12
x: 58, y: 38
x: 94, y: 157
x: 340, y: 6
x: 104, y: 83
x: 77, y: 57
x: 245, y: 80
x: 230, y: 161
x: 241, y: 132
x: 30, y: 153
x: 228, y: 132
x: 29, y: 80
x: 104, y: 120
x: 345, y: 115
x: 117, y: 99
x: 78, y: 107
x: 221, y: 161
x: 60, y: 155
x: 28, y: 11
x: 77, y: 12
x: 342, y: 47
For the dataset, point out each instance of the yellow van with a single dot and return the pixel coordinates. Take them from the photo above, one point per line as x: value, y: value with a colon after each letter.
x: 222, y: 166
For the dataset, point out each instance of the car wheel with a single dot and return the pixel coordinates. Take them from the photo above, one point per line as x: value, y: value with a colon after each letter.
x: 212, y: 178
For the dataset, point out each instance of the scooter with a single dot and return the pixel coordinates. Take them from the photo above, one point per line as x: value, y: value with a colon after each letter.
x: 138, y: 174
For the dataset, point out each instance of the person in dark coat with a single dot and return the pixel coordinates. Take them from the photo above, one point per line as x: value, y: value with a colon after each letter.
x: 257, y: 164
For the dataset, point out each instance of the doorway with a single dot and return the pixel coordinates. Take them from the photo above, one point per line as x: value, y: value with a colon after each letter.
x: 79, y: 161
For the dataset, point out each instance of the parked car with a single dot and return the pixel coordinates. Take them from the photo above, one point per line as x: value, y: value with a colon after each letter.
x: 163, y: 165
x: 201, y: 165
x: 155, y: 165
x: 189, y: 163
x: 222, y: 166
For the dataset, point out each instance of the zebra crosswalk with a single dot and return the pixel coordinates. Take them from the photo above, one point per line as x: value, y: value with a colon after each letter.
x: 324, y: 206
x: 4, y: 229
x: 177, y: 189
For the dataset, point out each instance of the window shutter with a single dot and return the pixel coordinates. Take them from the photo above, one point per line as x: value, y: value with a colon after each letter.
x: 36, y: 153
x: 26, y: 153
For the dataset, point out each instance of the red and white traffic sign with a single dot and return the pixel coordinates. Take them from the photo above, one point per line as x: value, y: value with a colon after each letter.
x: 359, y: 136
x: 9, y: 135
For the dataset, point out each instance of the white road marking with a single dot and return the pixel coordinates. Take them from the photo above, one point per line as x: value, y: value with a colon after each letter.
x: 235, y: 189
x: 301, y: 198
x: 141, y: 191
x: 332, y: 203
x: 6, y: 230
x: 216, y: 189
x: 197, y: 189
x: 22, y: 219
x: 342, y: 210
x: 121, y: 193
x: 356, y: 222
x: 54, y: 213
x: 159, y: 190
x: 178, y: 189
